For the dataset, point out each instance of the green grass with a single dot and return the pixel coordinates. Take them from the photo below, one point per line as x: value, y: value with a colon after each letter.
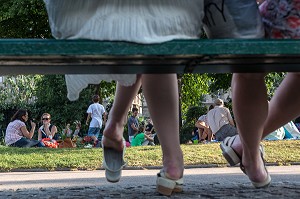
x: 279, y: 152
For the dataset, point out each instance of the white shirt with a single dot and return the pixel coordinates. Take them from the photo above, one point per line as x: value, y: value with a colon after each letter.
x: 218, y: 117
x: 96, y: 110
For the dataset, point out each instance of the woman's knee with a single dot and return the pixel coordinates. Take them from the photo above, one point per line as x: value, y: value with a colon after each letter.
x: 294, y: 75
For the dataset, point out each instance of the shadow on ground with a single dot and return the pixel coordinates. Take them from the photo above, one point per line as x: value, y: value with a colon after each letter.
x: 196, y: 186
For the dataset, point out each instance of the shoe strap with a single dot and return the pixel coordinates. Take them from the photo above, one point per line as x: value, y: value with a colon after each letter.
x: 162, y: 174
x: 107, y: 168
x: 229, y: 140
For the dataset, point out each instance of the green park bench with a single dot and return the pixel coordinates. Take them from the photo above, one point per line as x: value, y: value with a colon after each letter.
x: 49, y: 56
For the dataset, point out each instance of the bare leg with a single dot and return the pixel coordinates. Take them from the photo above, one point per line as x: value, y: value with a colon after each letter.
x: 209, y: 135
x: 281, y: 110
x: 161, y: 92
x: 250, y: 107
x: 94, y: 138
x: 113, y: 132
x: 201, y: 134
x: 285, y: 105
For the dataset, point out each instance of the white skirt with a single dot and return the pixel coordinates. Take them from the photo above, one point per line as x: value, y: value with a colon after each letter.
x: 148, y: 22
x: 140, y: 21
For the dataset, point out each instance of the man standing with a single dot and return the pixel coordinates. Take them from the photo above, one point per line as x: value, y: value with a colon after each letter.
x: 133, y: 124
x: 220, y: 121
x: 95, y: 111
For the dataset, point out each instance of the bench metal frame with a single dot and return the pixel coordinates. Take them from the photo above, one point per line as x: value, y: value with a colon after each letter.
x: 49, y: 56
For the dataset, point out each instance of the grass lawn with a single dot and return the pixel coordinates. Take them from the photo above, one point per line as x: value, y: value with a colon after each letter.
x: 280, y: 152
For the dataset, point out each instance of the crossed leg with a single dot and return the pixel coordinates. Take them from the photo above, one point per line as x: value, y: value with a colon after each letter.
x: 250, y: 107
x: 281, y: 110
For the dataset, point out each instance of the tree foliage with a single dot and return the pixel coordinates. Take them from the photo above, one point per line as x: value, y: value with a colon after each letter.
x: 272, y: 82
x: 223, y: 82
x: 194, y: 112
x: 19, y: 91
x: 192, y: 88
x: 219, y: 82
x: 23, y: 19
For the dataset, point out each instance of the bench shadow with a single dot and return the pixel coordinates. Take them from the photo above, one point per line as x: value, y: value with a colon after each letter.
x: 196, y: 186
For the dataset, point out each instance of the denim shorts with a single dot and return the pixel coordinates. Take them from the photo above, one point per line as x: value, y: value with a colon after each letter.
x: 94, y: 131
x: 225, y: 131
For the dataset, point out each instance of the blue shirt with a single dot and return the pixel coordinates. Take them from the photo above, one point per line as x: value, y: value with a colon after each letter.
x: 132, y: 120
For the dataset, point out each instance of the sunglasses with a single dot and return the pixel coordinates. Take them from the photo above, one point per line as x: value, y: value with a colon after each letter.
x: 46, y: 119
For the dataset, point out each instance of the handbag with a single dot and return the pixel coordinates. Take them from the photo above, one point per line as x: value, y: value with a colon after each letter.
x: 50, y: 143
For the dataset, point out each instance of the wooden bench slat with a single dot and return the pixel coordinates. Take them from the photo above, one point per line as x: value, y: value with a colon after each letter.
x: 49, y: 56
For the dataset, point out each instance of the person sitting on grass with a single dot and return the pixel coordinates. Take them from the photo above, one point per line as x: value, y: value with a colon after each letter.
x: 68, y: 131
x: 17, y: 134
x: 141, y: 137
x: 77, y: 132
x: 203, y: 129
x: 47, y: 130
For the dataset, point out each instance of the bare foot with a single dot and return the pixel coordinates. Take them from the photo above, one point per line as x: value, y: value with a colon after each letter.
x: 113, y: 136
x: 255, y: 169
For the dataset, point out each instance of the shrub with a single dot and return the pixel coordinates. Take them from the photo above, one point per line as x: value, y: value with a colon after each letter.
x: 186, y: 133
x: 192, y: 116
x: 194, y: 113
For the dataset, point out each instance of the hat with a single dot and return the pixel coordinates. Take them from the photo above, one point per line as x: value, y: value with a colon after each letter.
x: 218, y: 102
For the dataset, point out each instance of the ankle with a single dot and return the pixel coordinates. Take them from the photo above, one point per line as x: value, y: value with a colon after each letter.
x: 174, y: 173
x: 254, y: 167
x: 174, y: 167
x: 113, y: 131
x: 237, y: 146
x: 96, y: 143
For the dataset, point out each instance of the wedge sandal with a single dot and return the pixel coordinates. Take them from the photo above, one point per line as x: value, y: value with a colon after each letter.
x: 263, y: 184
x: 228, y: 152
x: 166, y: 186
x: 232, y: 157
